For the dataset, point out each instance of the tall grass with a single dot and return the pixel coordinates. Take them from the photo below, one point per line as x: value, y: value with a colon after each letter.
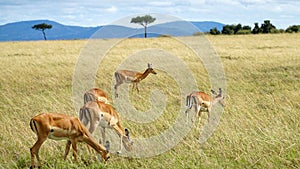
x: 258, y: 129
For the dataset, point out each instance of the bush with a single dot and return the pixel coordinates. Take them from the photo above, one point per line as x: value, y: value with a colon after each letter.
x: 214, y: 31
x: 197, y: 34
x: 243, y: 32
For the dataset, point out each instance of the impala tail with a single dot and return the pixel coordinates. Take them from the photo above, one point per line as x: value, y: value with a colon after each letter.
x: 118, y: 77
x: 84, y: 115
x: 88, y: 97
x: 190, y: 101
x: 33, y: 126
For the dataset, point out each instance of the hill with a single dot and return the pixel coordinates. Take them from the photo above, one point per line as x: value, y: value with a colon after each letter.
x: 22, y: 31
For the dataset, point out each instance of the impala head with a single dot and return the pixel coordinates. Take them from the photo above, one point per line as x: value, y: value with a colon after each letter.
x: 128, y: 143
x: 150, y: 69
x: 218, y: 97
x: 105, y: 156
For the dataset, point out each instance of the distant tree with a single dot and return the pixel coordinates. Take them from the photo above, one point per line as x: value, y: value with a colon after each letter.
x: 144, y: 21
x: 256, y: 29
x: 236, y: 28
x: 267, y: 27
x: 228, y: 29
x: 214, y: 31
x: 246, y: 27
x: 293, y: 28
x: 42, y: 27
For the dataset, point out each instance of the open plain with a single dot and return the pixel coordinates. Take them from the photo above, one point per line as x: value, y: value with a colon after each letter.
x: 259, y: 127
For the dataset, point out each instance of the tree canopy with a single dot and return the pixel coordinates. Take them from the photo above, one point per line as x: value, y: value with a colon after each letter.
x: 144, y: 21
x: 42, y: 27
x: 293, y: 28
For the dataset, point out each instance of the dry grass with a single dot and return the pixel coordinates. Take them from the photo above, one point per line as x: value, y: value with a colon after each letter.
x: 260, y: 127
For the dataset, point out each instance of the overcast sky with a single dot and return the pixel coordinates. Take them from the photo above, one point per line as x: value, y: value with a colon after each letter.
x: 282, y: 13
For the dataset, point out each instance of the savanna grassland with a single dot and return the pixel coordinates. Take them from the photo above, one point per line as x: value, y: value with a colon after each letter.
x: 259, y: 127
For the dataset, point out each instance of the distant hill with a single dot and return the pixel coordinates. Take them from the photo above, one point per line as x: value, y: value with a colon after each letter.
x: 22, y: 31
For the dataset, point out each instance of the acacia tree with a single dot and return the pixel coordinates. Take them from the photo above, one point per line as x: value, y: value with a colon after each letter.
x: 267, y: 27
x: 256, y: 29
x: 42, y: 27
x: 144, y: 21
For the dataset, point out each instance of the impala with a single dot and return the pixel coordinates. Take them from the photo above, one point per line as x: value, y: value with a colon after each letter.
x: 59, y: 127
x: 128, y: 76
x: 203, y: 102
x: 99, y: 113
x: 95, y: 94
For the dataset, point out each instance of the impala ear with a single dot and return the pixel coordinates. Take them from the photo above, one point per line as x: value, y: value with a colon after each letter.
x: 220, y: 91
x: 127, y: 133
x: 149, y: 65
x: 213, y: 92
x: 107, y: 146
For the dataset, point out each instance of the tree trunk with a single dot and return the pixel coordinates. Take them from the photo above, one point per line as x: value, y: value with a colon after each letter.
x: 145, y: 31
x: 44, y: 34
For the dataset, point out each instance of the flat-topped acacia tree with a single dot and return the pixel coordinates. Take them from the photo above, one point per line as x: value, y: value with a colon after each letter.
x: 144, y: 21
x: 42, y: 27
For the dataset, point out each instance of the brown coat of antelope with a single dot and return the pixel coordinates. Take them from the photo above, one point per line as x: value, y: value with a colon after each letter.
x: 59, y: 127
x: 203, y: 102
x: 128, y: 76
x: 99, y: 113
x: 95, y: 94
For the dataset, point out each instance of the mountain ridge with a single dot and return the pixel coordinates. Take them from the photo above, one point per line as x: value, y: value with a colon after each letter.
x: 22, y: 31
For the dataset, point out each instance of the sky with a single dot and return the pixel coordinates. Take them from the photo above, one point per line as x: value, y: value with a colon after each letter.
x: 281, y: 13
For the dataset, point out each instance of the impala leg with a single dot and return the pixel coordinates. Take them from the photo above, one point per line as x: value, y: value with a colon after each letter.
x: 187, y: 114
x: 74, y: 147
x: 93, y: 125
x: 196, y: 107
x: 120, y: 144
x: 102, y: 129
x: 137, y: 88
x: 34, y: 151
x: 67, y: 149
x: 199, y: 118
x: 120, y: 133
x: 208, y: 115
x: 196, y: 113
x: 116, y: 89
x: 133, y: 85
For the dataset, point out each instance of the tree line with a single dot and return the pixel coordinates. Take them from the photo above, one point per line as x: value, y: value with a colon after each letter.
x: 266, y: 27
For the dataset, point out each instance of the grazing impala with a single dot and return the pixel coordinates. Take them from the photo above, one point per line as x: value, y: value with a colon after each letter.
x: 95, y: 94
x: 58, y: 127
x: 203, y: 102
x: 128, y: 76
x: 99, y: 113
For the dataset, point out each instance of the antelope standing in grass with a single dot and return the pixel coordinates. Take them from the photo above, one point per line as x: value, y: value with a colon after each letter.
x: 203, y: 102
x: 58, y: 127
x: 99, y: 113
x: 128, y: 76
x: 95, y: 94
